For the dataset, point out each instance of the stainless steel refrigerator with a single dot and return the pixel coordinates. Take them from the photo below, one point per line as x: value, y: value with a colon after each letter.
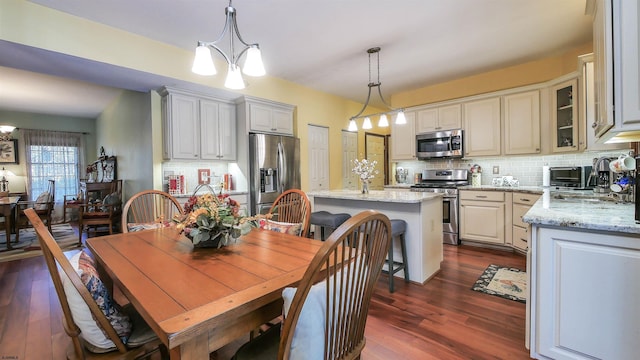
x: 274, y: 167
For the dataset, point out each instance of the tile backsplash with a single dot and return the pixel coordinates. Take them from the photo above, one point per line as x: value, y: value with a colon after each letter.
x: 190, y: 171
x: 527, y: 169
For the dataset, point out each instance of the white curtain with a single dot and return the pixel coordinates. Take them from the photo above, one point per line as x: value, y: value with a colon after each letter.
x: 53, y: 155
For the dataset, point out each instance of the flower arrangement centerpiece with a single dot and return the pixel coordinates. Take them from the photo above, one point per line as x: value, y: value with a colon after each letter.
x: 212, y: 220
x: 366, y: 171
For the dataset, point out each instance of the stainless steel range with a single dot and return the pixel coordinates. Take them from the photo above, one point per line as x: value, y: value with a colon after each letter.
x: 445, y: 182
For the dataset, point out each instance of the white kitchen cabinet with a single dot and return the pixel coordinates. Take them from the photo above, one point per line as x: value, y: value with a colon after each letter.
x: 482, y: 216
x: 197, y: 127
x: 584, y: 294
x: 219, y: 119
x: 522, y: 123
x: 521, y: 236
x: 403, y: 138
x: 586, y: 109
x: 266, y: 116
x: 481, y: 120
x: 181, y: 127
x: 564, y: 116
x: 439, y: 118
x: 616, y: 34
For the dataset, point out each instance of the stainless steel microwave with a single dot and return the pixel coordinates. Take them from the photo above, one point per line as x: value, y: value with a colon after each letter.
x: 439, y: 144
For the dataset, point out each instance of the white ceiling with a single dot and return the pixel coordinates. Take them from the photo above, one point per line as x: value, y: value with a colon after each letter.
x: 320, y: 44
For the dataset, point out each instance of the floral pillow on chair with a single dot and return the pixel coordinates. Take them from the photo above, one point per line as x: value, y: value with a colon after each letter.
x: 283, y: 227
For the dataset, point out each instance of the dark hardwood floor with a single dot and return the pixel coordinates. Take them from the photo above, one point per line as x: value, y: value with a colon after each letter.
x: 442, y: 319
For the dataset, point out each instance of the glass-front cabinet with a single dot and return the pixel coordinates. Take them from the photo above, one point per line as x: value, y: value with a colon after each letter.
x: 565, y: 116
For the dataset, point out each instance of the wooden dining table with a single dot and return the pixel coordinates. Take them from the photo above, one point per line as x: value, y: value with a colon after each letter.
x: 7, y: 208
x: 198, y: 300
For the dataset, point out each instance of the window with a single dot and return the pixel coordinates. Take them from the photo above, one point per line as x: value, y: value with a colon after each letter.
x: 54, y: 162
x: 53, y: 155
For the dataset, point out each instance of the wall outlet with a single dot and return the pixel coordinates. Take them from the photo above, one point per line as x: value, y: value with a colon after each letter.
x: 496, y: 169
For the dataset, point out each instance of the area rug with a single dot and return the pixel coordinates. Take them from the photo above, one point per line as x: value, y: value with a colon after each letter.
x: 28, y: 246
x: 506, y: 282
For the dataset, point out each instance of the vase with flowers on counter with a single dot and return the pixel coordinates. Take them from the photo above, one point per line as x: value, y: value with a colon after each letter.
x: 365, y: 169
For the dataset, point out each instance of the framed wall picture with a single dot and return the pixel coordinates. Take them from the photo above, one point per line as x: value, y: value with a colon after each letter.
x: 9, y: 151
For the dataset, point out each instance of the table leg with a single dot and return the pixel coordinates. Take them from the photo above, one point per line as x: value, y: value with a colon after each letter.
x: 196, y: 348
x: 7, y: 210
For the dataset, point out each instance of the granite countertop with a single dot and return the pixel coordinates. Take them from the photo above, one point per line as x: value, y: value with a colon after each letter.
x: 522, y: 189
x: 375, y: 195
x: 398, y: 186
x: 583, y: 210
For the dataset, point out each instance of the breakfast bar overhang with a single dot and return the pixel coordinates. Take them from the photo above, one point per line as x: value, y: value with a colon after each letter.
x: 421, y: 211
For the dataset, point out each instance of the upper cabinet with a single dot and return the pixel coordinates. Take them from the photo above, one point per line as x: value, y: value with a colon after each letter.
x: 564, y: 116
x: 220, y: 119
x: 616, y: 45
x: 522, y: 123
x: 266, y: 116
x: 481, y: 119
x: 403, y: 138
x: 439, y: 118
x: 586, y: 108
x: 197, y: 127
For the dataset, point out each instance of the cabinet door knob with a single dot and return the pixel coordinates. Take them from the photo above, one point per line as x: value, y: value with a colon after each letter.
x: 594, y: 125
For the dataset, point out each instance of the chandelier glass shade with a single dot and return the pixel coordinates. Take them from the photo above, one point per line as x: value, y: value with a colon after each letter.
x: 383, y: 121
x: 253, y: 66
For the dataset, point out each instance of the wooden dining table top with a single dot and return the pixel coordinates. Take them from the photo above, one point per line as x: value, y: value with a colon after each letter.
x: 185, y: 293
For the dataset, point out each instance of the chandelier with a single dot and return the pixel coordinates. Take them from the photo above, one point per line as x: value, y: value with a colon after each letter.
x: 383, y: 121
x: 203, y: 63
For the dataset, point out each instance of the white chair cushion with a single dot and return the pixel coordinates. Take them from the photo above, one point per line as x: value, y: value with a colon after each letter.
x: 308, y: 336
x: 41, y: 201
x: 90, y: 330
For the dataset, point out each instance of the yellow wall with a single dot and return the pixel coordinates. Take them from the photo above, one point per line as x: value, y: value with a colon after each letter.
x: 26, y: 23
x: 513, y: 76
x: 40, y: 27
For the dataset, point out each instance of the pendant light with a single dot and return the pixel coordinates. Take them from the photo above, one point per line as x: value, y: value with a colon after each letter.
x: 253, y: 66
x: 383, y: 121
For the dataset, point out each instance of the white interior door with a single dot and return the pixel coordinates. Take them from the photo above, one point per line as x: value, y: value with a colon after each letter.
x: 318, y: 158
x: 375, y: 151
x: 349, y: 153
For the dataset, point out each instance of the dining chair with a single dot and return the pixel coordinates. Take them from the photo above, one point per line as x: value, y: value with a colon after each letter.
x: 80, y: 310
x: 325, y: 317
x: 43, y: 206
x: 107, y: 212
x: 292, y: 206
x: 148, y: 209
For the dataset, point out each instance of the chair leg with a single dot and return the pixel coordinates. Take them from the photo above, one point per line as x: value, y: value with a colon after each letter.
x: 391, y: 266
x: 404, y: 257
x: 80, y: 226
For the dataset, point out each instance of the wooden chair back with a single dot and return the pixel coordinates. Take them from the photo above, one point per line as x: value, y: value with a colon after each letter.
x: 293, y: 206
x: 55, y: 259
x: 105, y: 214
x: 44, y: 209
x: 349, y: 263
x: 149, y: 206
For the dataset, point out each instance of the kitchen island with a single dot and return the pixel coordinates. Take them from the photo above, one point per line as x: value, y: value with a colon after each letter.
x: 584, y: 261
x: 422, y: 211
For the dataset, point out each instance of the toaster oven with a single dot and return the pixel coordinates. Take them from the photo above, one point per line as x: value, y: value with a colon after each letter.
x: 572, y: 177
